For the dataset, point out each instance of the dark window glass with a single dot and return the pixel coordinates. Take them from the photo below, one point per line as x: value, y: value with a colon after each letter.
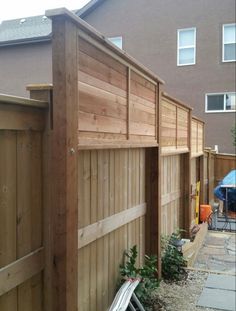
x: 215, y: 102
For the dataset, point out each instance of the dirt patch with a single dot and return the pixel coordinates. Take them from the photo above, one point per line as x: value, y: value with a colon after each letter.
x: 181, y: 296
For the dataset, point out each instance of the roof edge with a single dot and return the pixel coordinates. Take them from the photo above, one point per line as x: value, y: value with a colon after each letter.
x: 89, y: 7
x: 26, y: 41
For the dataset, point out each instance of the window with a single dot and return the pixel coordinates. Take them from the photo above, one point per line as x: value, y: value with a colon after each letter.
x: 117, y: 41
x: 229, y: 43
x: 186, y: 54
x: 221, y: 102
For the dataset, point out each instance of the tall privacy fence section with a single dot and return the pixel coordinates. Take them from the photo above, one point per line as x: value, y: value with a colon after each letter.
x: 100, y: 162
x: 182, y: 141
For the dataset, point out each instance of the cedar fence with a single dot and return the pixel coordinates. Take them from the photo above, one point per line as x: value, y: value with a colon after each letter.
x: 97, y: 163
x: 216, y: 166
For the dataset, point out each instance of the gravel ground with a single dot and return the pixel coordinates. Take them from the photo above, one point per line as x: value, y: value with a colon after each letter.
x: 181, y: 296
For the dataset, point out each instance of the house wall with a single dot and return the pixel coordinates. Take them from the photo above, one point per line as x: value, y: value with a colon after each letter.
x: 154, y: 43
x: 24, y: 64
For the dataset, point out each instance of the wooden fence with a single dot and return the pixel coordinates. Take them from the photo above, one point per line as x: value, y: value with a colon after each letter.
x: 197, y: 166
x: 216, y: 166
x: 21, y: 204
x: 105, y: 197
x: 182, y: 140
x: 100, y: 164
x: 175, y: 145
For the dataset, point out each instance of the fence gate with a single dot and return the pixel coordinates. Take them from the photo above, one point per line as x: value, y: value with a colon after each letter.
x: 21, y: 208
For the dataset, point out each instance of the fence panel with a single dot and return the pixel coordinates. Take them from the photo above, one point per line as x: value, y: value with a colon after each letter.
x: 21, y: 208
x: 172, y: 192
x: 111, y: 219
x: 224, y: 163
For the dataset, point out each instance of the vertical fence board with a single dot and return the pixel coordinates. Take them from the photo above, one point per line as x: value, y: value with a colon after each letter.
x: 112, y: 244
x: 93, y: 247
x: 24, y: 225
x: 8, y: 302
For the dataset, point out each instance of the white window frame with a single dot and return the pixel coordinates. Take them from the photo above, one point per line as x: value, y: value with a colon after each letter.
x: 217, y: 111
x: 223, y: 43
x: 116, y: 37
x: 187, y: 46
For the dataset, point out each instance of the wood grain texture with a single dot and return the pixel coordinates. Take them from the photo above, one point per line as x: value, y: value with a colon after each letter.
x: 21, y: 270
x: 8, y: 198
x: 106, y: 178
x: 21, y: 118
x: 172, y: 194
x: 64, y: 164
x: 174, y: 126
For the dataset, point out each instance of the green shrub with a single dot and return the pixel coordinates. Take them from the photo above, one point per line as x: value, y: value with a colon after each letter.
x: 173, y: 262
x: 147, y: 273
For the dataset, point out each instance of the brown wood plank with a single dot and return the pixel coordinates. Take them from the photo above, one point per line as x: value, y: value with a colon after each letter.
x: 44, y: 92
x: 86, y: 221
x: 95, y: 123
x: 36, y: 215
x: 81, y: 225
x: 95, y: 82
x: 21, y: 270
x: 112, y: 245
x: 106, y: 181
x: 97, y: 101
x: 65, y: 162
x: 139, y: 128
x: 100, y: 242
x: 137, y: 115
x: 91, y: 50
x: 93, y: 215
x: 142, y: 88
x: 101, y: 71
x: 8, y: 210
x: 24, y: 212
x: 21, y: 118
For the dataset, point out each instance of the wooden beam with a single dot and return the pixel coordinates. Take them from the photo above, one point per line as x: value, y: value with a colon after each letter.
x: 21, y: 118
x: 89, y: 144
x: 166, y: 151
x: 97, y: 230
x: 159, y: 187
x: 44, y: 92
x: 64, y: 200
x: 128, y: 103
x: 170, y: 197
x: 21, y: 270
x: 202, y: 187
x: 186, y: 168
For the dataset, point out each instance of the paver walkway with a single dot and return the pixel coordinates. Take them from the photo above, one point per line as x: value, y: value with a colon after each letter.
x: 218, y: 253
x: 218, y: 256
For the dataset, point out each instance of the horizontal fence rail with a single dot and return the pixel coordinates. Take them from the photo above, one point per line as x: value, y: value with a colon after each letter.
x: 21, y: 270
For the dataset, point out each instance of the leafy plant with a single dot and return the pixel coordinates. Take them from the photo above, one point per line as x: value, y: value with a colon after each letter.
x: 147, y: 273
x: 173, y: 262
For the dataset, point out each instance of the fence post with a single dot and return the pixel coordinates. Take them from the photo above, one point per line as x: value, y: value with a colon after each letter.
x: 186, y: 165
x: 44, y: 92
x: 65, y: 162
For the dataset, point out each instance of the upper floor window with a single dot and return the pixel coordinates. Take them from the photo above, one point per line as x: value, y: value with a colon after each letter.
x: 186, y: 54
x: 220, y: 102
x: 117, y: 41
x: 229, y: 43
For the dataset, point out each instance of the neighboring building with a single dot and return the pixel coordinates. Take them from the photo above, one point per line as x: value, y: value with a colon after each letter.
x: 189, y: 43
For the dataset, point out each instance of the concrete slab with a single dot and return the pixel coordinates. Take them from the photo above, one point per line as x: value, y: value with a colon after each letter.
x: 226, y: 282
x: 218, y: 299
